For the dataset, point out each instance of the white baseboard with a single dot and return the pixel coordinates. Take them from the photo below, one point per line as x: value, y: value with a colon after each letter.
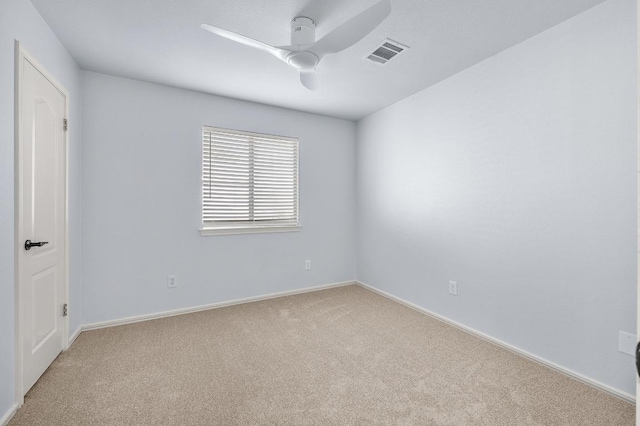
x: 566, y: 371
x: 74, y: 336
x: 182, y: 311
x: 8, y: 415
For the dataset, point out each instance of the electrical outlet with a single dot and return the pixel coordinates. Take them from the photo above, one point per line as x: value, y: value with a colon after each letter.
x: 307, y: 264
x: 627, y: 343
x: 172, y: 281
x: 453, y: 288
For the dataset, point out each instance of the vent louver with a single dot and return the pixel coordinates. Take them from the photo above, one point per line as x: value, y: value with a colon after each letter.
x: 386, y: 51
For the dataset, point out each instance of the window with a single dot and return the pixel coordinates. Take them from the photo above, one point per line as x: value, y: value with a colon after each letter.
x: 249, y: 182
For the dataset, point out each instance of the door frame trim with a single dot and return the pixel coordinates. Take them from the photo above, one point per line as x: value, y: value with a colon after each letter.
x: 20, y: 55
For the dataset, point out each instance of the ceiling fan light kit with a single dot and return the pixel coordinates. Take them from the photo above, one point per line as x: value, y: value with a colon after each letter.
x: 305, y: 52
x: 302, y: 60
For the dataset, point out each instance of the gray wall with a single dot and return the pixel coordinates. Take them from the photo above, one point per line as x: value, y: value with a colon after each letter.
x: 142, y: 192
x: 516, y: 178
x: 20, y: 21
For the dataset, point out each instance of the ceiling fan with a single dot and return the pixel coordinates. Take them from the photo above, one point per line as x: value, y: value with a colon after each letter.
x: 305, y: 52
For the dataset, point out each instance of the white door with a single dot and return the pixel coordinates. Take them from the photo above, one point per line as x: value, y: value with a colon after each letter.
x: 41, y: 192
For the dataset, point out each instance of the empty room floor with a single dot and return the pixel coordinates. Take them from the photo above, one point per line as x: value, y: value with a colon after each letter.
x: 339, y: 356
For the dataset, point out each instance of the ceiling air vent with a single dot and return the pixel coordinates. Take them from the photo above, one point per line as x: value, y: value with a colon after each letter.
x: 386, y: 51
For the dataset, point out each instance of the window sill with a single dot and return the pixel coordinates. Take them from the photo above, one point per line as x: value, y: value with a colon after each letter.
x: 231, y: 230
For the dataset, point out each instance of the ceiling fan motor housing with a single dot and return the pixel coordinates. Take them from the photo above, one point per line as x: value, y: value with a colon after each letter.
x: 303, y: 31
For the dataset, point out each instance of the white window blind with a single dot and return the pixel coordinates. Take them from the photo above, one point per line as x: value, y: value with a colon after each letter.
x: 248, y: 179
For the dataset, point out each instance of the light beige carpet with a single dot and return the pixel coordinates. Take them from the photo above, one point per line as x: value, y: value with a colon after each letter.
x: 343, y: 356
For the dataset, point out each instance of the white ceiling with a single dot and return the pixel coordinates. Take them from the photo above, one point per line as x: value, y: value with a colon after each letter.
x: 161, y: 41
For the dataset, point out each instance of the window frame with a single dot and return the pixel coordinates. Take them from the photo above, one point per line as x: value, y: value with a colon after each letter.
x: 248, y: 227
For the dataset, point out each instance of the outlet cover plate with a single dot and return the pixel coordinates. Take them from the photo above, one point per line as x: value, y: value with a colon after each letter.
x: 172, y: 281
x: 627, y: 343
x: 453, y: 288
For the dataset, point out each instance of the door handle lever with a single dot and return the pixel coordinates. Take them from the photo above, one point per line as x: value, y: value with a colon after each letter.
x: 28, y: 244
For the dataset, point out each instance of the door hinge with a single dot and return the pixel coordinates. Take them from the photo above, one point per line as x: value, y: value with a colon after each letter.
x: 65, y: 310
x: 65, y: 124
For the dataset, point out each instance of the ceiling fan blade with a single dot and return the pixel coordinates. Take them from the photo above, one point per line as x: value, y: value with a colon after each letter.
x: 309, y: 79
x: 353, y: 30
x: 247, y: 41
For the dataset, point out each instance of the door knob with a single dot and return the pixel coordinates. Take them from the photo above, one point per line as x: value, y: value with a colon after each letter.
x: 638, y: 358
x: 28, y: 244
